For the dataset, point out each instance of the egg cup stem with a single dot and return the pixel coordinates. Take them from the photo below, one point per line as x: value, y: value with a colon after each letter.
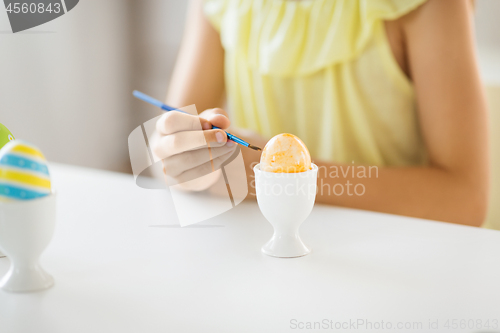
x: 285, y: 244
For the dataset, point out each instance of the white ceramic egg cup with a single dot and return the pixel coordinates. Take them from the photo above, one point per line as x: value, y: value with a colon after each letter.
x: 26, y: 228
x: 286, y: 200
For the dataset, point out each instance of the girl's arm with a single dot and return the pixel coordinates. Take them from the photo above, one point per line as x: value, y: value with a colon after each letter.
x: 198, y: 77
x: 454, y: 123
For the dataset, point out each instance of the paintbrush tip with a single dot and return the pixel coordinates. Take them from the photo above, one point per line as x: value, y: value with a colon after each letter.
x: 254, y: 147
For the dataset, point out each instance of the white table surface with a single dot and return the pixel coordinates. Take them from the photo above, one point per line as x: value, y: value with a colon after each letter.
x: 114, y: 272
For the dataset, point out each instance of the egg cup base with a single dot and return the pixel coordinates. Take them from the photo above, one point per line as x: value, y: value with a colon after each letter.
x: 29, y: 279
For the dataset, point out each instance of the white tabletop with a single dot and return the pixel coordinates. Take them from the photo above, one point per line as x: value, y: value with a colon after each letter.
x: 117, y: 271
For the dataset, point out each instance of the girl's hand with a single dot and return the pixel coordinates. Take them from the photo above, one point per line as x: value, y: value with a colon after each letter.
x: 190, y: 148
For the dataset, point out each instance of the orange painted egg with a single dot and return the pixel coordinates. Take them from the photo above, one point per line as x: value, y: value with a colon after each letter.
x: 285, y: 153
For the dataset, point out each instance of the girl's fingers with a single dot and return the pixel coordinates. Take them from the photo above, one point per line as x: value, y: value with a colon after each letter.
x: 216, y: 117
x: 173, y: 121
x: 180, y: 142
x: 177, y: 164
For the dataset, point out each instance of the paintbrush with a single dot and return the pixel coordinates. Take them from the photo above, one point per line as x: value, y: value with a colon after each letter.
x: 167, y: 108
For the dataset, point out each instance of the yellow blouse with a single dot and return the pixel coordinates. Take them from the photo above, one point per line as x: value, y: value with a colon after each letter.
x: 324, y: 71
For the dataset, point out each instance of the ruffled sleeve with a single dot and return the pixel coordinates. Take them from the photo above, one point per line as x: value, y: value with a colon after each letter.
x: 287, y: 38
x: 214, y: 11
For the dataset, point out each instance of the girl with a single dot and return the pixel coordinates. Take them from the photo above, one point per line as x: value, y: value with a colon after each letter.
x: 386, y: 83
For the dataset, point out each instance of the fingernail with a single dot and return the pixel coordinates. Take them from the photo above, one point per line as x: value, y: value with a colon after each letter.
x: 230, y: 143
x: 205, y: 126
x: 220, y: 137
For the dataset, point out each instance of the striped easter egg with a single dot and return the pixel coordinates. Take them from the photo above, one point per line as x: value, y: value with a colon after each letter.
x: 24, y: 174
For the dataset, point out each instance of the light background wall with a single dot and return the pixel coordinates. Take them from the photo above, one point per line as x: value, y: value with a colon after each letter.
x: 66, y: 85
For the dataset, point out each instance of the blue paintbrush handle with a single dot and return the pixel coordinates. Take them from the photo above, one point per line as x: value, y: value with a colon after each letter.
x: 155, y: 102
x: 234, y: 138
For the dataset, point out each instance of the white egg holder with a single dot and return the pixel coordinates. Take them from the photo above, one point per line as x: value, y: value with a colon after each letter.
x: 26, y: 229
x: 286, y: 200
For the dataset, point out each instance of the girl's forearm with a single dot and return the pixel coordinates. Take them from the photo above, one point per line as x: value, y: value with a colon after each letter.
x: 424, y: 192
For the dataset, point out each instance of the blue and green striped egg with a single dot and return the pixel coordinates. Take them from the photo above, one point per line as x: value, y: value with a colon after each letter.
x: 24, y: 174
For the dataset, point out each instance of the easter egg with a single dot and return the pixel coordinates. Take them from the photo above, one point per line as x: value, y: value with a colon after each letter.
x: 285, y: 153
x: 5, y: 136
x: 24, y: 174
